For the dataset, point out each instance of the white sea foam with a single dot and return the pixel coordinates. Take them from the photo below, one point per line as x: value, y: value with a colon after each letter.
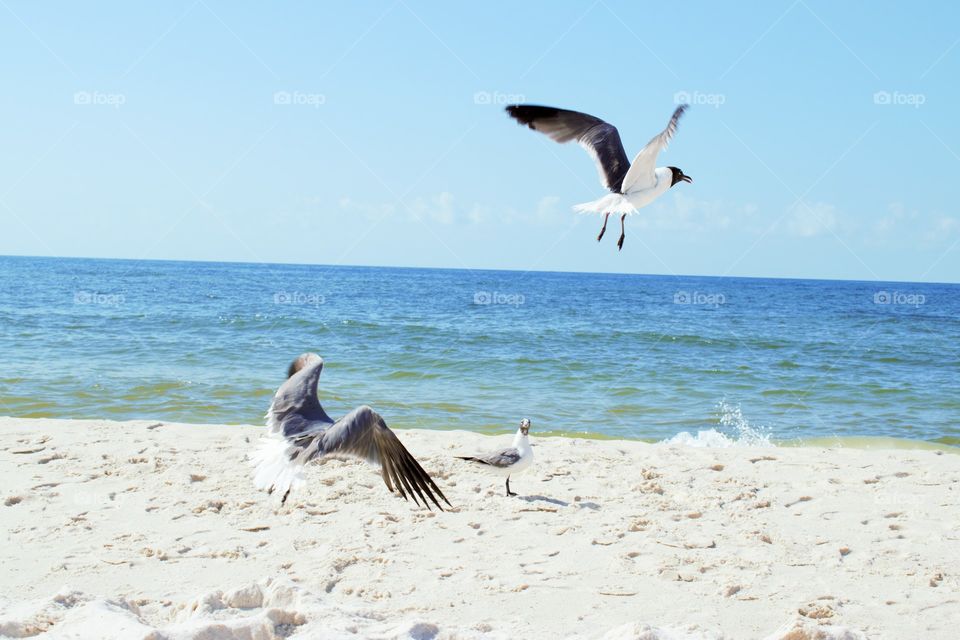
x: 734, y: 431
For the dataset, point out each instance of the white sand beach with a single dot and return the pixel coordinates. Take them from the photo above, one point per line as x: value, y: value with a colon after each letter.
x: 154, y: 530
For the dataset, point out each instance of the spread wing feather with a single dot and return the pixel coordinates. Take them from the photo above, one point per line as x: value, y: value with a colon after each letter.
x: 641, y: 173
x: 600, y: 139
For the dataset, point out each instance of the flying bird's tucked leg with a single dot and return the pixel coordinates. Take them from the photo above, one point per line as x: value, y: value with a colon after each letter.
x: 603, y: 229
x: 623, y: 232
x: 509, y: 493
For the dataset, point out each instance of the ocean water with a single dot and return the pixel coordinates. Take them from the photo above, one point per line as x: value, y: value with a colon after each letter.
x: 649, y: 357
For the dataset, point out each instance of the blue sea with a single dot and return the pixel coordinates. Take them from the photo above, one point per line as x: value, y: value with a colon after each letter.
x: 624, y: 356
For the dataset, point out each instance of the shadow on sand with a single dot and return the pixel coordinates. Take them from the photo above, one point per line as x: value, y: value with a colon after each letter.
x: 561, y: 503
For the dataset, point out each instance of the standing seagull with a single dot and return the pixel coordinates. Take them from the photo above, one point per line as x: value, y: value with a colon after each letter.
x: 299, y: 431
x: 633, y: 186
x: 508, y: 461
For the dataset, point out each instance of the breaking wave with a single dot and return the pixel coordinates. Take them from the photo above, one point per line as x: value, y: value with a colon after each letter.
x: 733, y: 430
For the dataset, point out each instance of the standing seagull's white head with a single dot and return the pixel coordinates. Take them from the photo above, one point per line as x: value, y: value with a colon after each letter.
x: 525, y: 426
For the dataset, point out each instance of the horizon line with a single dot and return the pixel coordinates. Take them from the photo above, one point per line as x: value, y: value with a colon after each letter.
x: 521, y: 271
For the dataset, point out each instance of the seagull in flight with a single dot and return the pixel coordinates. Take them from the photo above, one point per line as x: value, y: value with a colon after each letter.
x: 300, y: 431
x: 509, y: 461
x: 632, y: 186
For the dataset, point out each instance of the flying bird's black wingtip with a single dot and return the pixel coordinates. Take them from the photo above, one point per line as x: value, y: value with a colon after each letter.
x: 515, y: 111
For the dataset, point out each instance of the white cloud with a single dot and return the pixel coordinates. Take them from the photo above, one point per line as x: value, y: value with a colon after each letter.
x: 478, y: 214
x: 893, y: 220
x: 900, y: 222
x: 547, y: 208
x: 438, y: 208
x: 443, y: 208
x: 943, y: 226
x: 808, y: 220
x: 367, y: 210
x: 690, y: 214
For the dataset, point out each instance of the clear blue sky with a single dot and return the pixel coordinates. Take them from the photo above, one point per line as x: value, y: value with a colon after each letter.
x: 157, y: 131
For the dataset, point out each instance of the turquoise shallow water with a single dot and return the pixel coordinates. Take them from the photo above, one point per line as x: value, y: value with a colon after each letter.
x: 613, y: 355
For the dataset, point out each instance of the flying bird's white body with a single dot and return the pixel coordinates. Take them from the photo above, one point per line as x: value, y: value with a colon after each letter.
x: 632, y: 200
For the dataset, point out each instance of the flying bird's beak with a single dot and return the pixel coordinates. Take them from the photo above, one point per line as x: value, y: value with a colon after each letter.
x: 686, y: 178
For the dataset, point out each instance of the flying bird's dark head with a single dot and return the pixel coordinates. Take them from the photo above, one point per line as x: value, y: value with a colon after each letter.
x: 525, y: 426
x: 679, y: 176
x: 302, y: 361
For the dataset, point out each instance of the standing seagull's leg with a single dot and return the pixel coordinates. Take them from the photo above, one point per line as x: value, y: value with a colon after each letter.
x: 603, y: 230
x: 622, y: 232
x: 509, y: 493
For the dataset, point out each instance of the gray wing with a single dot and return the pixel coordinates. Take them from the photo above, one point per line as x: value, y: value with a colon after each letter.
x: 363, y: 434
x: 501, y: 459
x: 296, y: 408
x: 600, y: 139
x: 640, y: 174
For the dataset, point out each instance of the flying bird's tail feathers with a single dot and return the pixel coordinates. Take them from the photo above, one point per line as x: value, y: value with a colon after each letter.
x: 610, y: 203
x: 279, y: 462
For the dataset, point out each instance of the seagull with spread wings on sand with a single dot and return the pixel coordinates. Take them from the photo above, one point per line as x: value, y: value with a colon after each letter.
x: 300, y: 431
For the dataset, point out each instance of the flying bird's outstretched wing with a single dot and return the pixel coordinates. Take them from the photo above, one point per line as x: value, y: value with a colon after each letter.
x: 600, y: 139
x: 362, y: 433
x: 299, y: 431
x: 641, y: 176
x: 500, y: 459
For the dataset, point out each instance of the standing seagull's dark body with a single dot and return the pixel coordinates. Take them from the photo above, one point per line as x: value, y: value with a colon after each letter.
x: 299, y: 431
x: 632, y: 186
